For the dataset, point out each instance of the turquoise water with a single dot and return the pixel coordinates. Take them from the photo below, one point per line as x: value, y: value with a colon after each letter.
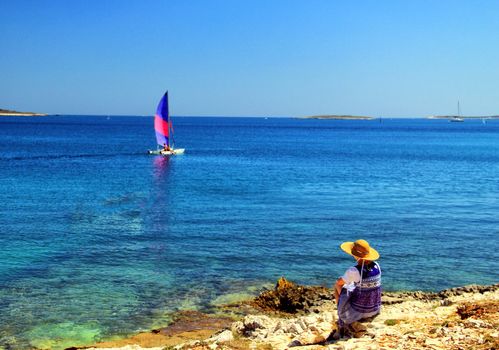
x: 100, y: 239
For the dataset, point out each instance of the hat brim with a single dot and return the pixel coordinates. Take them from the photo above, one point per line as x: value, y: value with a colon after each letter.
x: 347, y: 248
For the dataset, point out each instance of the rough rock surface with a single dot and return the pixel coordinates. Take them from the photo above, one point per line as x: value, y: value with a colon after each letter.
x: 291, y: 298
x: 456, y: 319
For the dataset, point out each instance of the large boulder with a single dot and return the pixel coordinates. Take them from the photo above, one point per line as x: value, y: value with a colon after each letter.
x: 292, y: 298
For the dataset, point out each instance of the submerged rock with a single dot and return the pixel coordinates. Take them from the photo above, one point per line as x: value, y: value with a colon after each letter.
x: 188, y: 321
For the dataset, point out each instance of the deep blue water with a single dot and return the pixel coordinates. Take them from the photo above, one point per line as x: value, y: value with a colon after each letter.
x: 99, y: 239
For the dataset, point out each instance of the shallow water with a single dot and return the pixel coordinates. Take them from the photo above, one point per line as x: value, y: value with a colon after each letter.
x: 100, y: 239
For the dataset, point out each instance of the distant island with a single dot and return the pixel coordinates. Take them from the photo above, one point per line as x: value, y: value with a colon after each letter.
x: 333, y: 116
x: 9, y: 113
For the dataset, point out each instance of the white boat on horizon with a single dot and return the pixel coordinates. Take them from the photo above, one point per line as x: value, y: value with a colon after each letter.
x: 457, y: 118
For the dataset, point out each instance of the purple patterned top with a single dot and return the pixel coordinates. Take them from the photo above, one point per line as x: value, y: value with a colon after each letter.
x: 366, y: 297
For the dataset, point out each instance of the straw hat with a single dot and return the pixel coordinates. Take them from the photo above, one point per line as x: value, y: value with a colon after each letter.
x: 360, y: 249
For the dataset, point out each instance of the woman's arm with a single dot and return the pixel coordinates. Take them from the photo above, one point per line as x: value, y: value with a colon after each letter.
x: 337, y: 288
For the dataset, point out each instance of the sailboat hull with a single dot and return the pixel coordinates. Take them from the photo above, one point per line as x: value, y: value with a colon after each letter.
x: 162, y: 152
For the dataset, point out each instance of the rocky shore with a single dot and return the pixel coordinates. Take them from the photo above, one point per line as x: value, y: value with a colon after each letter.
x: 305, y: 317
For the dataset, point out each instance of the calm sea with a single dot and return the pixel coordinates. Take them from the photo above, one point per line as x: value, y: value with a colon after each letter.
x: 99, y: 239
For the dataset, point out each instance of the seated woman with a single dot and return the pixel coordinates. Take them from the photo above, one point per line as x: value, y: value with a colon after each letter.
x: 358, y: 291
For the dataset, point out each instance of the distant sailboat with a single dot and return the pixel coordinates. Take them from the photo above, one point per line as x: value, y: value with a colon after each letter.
x: 458, y: 117
x: 164, y: 130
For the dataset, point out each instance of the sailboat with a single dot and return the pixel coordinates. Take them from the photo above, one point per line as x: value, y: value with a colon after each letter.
x: 164, y: 130
x: 458, y: 117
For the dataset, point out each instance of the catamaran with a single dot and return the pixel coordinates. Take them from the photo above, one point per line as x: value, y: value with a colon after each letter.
x: 164, y: 130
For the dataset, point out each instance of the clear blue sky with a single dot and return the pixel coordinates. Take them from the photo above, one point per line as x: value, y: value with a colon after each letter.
x: 250, y: 58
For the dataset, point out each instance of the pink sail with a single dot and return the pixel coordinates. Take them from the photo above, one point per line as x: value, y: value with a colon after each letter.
x: 162, y: 123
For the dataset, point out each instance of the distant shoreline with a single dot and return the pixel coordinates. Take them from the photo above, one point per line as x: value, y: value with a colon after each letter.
x: 332, y: 116
x: 22, y: 115
x: 8, y: 113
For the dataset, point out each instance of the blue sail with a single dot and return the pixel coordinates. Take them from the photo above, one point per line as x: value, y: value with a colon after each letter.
x: 162, y: 122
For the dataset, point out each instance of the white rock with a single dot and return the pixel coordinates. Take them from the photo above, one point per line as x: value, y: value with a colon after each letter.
x: 314, y: 329
x: 302, y: 323
x: 277, y: 327
x: 253, y: 322
x: 294, y: 328
x: 280, y: 342
x: 237, y: 327
x: 309, y: 338
x: 328, y: 316
x: 224, y: 336
x: 476, y: 324
x: 334, y: 347
x: 311, y: 320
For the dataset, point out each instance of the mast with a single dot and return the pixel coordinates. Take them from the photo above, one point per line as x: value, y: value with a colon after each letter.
x: 170, y: 132
x: 171, y: 143
x: 458, y: 110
